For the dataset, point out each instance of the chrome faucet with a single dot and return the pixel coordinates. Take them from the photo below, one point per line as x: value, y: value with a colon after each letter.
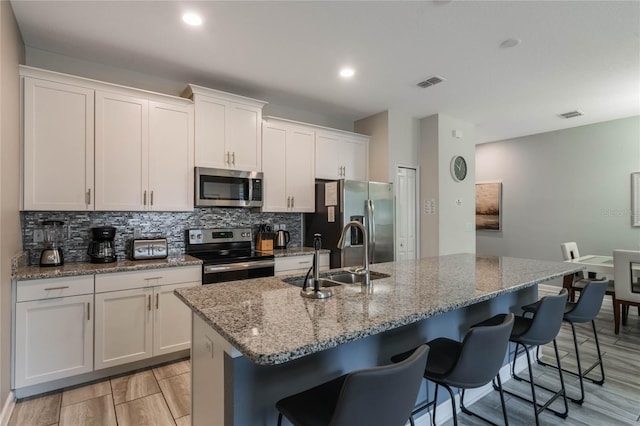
x: 364, y: 269
x: 315, y: 292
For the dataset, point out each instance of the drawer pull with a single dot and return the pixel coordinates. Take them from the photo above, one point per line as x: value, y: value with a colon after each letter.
x: 149, y: 303
x: 305, y: 263
x: 153, y: 278
x: 62, y: 287
x: 88, y: 311
x: 157, y: 301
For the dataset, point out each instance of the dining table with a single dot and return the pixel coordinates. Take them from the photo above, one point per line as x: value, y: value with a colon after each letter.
x: 596, y: 264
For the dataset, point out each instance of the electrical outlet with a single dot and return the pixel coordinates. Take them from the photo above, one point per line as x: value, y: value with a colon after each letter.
x: 38, y: 236
x: 276, y: 227
x: 283, y: 227
x: 136, y: 233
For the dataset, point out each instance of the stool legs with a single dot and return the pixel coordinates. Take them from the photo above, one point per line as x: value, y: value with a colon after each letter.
x: 504, y: 408
x: 539, y: 408
x: 582, y: 374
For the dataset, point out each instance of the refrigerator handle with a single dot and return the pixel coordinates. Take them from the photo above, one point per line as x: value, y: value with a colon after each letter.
x: 372, y: 231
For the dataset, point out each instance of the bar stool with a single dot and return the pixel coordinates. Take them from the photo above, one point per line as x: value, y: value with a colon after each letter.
x: 381, y: 395
x: 469, y: 364
x: 585, y: 310
x: 539, y: 330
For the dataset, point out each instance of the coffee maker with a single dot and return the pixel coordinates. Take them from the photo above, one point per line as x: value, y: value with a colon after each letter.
x: 52, y: 231
x: 102, y: 248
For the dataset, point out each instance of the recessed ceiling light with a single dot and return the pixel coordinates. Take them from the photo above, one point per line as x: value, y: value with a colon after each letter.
x: 191, y: 18
x: 510, y: 42
x: 347, y: 72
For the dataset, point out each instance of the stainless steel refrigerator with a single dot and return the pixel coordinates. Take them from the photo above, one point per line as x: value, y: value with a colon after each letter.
x: 337, y: 203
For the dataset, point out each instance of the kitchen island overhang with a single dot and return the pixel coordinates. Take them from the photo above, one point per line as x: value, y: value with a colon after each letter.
x: 256, y: 341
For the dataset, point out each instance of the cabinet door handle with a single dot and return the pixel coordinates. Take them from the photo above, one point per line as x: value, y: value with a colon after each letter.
x: 62, y: 287
x: 149, y: 303
x: 233, y: 158
x: 157, y: 301
x: 144, y: 198
x: 88, y: 311
x: 88, y: 196
x: 228, y: 160
x: 153, y: 278
x: 288, y: 202
x: 293, y: 201
x: 152, y: 198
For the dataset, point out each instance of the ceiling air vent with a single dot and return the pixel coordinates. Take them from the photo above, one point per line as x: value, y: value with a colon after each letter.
x: 431, y: 81
x: 571, y: 114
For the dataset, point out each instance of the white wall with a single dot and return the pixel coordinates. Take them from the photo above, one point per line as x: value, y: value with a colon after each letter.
x: 404, y: 140
x: 11, y: 54
x: 567, y: 185
x: 104, y: 72
x: 452, y: 228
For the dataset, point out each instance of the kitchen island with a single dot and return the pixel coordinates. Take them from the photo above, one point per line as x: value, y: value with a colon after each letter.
x: 256, y: 341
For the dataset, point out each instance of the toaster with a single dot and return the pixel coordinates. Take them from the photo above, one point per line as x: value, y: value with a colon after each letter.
x: 148, y: 248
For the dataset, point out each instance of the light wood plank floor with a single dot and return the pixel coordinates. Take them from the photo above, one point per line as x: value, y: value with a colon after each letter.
x: 160, y: 396
x: 157, y: 396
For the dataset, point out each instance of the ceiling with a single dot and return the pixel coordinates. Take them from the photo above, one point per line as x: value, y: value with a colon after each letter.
x: 574, y: 55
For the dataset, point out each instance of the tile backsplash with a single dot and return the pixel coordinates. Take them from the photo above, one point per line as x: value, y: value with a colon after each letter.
x: 171, y: 225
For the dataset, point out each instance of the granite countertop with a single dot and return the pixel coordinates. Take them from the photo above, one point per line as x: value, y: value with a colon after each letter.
x: 22, y: 272
x: 296, y: 251
x: 270, y: 323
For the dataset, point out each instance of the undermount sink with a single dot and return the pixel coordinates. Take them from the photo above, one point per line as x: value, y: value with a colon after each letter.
x: 331, y: 279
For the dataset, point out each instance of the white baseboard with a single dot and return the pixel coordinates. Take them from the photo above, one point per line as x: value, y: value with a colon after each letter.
x: 7, y: 409
x: 444, y: 412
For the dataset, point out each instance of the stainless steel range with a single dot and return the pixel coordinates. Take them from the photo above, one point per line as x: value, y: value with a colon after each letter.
x: 227, y: 255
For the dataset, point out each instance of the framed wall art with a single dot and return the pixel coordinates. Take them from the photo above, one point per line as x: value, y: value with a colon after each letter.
x: 489, y: 206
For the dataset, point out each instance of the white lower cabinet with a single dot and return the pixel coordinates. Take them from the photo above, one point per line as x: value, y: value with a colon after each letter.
x: 53, y: 329
x: 299, y: 264
x: 123, y: 327
x: 138, y: 316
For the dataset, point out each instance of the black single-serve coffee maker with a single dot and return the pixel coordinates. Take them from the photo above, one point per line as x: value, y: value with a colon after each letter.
x: 102, y: 249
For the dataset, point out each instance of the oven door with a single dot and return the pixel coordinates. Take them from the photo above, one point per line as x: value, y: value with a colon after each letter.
x: 237, y: 271
x: 227, y: 188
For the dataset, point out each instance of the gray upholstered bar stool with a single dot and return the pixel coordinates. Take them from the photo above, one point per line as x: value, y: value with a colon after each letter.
x: 585, y: 310
x: 376, y: 396
x: 539, y: 330
x: 469, y: 364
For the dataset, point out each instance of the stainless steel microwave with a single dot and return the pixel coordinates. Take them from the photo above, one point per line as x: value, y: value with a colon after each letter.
x: 227, y: 188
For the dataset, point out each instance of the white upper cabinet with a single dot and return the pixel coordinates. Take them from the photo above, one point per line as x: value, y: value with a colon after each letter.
x: 227, y: 129
x: 171, y: 160
x: 144, y: 154
x: 288, y: 166
x: 142, y: 146
x: 341, y: 155
x: 122, y: 142
x: 58, y: 146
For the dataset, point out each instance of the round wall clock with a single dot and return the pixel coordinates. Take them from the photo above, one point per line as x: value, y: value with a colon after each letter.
x: 458, y: 168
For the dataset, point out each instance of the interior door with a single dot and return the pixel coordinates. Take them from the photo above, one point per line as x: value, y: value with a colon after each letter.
x: 406, y: 226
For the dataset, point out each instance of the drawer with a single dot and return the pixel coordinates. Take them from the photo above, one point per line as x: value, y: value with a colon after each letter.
x: 147, y: 278
x: 50, y: 288
x: 299, y: 263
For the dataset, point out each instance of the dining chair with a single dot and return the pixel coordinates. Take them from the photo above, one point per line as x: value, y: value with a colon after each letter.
x: 374, y: 396
x: 570, y: 252
x: 626, y: 266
